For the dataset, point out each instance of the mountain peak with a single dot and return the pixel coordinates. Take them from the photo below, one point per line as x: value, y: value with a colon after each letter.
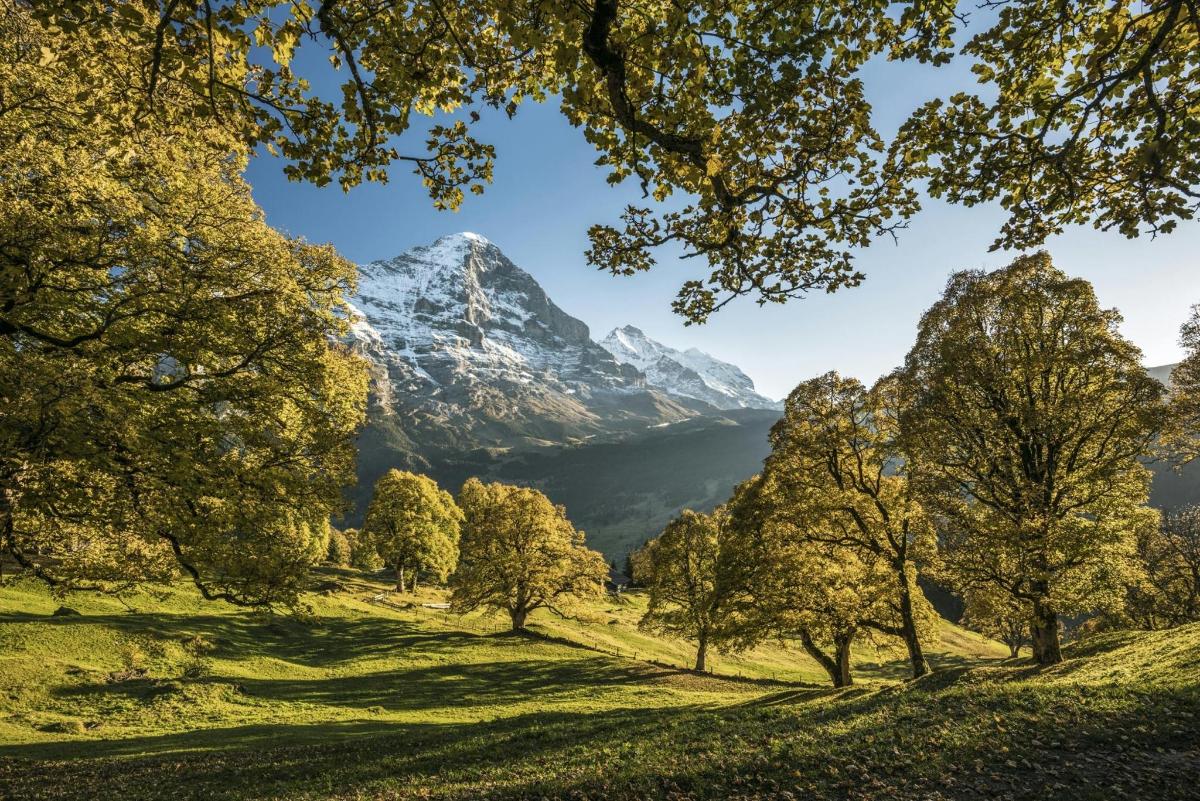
x: 464, y: 236
x: 691, y: 373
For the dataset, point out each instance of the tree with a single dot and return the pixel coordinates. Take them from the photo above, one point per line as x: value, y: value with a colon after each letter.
x: 748, y: 131
x: 338, y: 553
x: 1184, y: 433
x: 758, y: 120
x: 414, y: 525
x: 695, y: 581
x: 362, y: 552
x: 836, y: 463
x: 173, y: 394
x: 995, y: 613
x: 1030, y: 415
x: 519, y: 553
x: 806, y: 585
x: 1085, y: 114
x: 1169, y: 591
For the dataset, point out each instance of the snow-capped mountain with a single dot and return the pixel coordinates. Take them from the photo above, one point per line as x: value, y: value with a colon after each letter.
x: 467, y: 351
x: 687, y: 374
x: 476, y: 372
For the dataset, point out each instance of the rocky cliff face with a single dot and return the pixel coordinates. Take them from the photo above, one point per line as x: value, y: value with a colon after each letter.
x: 476, y: 372
x: 467, y: 351
x: 685, y: 374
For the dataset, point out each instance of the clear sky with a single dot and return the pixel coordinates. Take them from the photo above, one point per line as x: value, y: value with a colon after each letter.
x: 547, y: 192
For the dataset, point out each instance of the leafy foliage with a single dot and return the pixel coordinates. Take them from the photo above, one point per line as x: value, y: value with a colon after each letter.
x: 1183, y: 436
x: 806, y: 584
x: 339, y: 552
x: 1030, y: 414
x: 171, y: 388
x: 1169, y: 592
x: 839, y: 473
x: 758, y: 119
x: 1085, y: 114
x: 414, y: 525
x: 747, y: 130
x: 519, y: 552
x: 997, y: 613
x: 696, y: 581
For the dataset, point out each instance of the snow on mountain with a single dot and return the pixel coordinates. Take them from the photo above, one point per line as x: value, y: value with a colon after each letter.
x: 688, y: 374
x: 467, y: 351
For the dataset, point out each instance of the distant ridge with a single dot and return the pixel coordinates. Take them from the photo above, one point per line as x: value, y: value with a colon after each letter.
x: 687, y: 374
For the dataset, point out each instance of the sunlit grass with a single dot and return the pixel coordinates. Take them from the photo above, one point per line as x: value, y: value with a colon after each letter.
x: 370, y: 701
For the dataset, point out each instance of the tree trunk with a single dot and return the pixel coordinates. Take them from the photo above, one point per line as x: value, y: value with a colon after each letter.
x: 916, y: 656
x: 837, y: 667
x: 414, y: 581
x: 843, y: 678
x: 701, y: 652
x: 518, y: 616
x: 400, y: 578
x: 1014, y: 650
x: 1044, y: 627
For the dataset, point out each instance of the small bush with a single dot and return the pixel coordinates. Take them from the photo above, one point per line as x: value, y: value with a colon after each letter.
x: 197, y: 666
x: 133, y: 658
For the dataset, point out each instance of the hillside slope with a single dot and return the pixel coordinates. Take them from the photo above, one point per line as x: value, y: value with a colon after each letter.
x: 367, y: 702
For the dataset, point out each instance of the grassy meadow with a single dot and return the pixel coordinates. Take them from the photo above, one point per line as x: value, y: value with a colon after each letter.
x: 167, y: 696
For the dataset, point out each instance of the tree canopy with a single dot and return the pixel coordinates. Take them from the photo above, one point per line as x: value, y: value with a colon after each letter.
x: 840, y: 475
x: 807, y: 583
x: 1030, y: 415
x: 1184, y: 433
x: 172, y: 390
x: 520, y: 553
x: 695, y: 576
x: 414, y: 525
x: 1168, y: 593
x: 747, y: 130
x: 1085, y: 113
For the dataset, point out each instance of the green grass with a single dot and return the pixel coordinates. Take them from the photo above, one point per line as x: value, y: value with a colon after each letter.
x: 370, y: 702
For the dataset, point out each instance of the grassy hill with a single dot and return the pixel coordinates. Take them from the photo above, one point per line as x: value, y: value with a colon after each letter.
x: 177, y: 698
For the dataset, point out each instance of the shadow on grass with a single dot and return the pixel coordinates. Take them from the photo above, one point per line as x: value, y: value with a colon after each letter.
x: 323, y: 643
x: 426, y: 687
x: 892, y: 742
x: 901, y: 669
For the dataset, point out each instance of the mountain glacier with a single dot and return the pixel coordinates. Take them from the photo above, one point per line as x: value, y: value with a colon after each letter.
x: 685, y: 374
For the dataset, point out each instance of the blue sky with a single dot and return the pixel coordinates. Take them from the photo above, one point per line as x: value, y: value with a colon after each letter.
x: 547, y: 192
